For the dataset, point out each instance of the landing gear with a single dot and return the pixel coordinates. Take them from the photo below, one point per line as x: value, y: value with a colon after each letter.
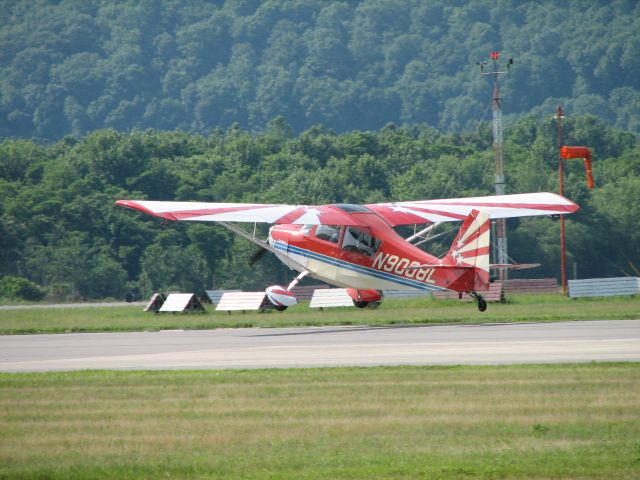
x: 363, y: 304
x: 482, y: 303
x: 365, y: 298
x: 279, y: 298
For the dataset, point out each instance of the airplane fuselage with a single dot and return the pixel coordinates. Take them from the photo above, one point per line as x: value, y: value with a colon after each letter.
x: 367, y: 255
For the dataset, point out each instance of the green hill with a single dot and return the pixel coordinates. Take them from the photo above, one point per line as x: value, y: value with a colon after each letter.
x: 70, y: 67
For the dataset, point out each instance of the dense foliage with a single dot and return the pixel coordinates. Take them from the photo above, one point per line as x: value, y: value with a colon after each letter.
x: 19, y: 288
x: 76, y: 66
x: 60, y: 229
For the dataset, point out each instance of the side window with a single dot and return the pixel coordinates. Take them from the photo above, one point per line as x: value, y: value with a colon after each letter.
x: 330, y: 233
x: 356, y: 240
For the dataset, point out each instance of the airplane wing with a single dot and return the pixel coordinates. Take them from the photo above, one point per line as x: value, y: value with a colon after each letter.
x: 396, y: 213
x: 242, y: 212
x: 457, y: 209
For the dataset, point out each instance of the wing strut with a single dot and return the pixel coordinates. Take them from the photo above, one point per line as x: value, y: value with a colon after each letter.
x: 295, y: 281
x: 422, y: 232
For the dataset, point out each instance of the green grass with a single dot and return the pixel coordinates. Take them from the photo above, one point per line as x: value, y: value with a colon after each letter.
x: 534, y: 421
x: 519, y: 308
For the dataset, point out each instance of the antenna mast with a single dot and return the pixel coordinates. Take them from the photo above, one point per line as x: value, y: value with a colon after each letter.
x: 500, y: 249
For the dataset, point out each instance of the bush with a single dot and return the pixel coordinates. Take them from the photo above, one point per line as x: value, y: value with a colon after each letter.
x: 19, y: 288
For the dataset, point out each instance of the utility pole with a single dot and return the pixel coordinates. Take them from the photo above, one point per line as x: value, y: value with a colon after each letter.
x: 563, y: 255
x: 500, y: 250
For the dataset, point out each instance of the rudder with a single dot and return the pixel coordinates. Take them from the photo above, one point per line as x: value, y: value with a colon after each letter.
x: 471, y: 247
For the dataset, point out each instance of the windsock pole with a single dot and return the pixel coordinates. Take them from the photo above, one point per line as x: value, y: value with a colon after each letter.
x: 568, y: 153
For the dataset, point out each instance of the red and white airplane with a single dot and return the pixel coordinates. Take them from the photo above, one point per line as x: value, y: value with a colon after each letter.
x: 356, y: 246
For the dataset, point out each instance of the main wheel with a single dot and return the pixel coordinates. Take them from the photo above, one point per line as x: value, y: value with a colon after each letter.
x: 482, y: 304
x: 281, y: 308
x: 360, y: 304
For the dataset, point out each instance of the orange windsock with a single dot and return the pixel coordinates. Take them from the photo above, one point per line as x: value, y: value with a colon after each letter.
x: 580, y: 152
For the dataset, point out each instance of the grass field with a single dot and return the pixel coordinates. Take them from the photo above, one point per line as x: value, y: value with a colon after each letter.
x: 551, y: 421
x: 423, y: 311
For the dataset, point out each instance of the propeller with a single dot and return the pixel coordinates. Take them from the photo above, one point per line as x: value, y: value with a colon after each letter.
x: 257, y: 255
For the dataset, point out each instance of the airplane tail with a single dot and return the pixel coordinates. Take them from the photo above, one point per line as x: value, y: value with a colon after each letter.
x: 471, y: 248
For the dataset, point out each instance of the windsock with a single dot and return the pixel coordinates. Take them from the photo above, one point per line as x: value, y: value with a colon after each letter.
x: 579, y: 152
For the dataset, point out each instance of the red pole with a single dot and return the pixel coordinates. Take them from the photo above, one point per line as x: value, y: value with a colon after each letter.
x: 563, y: 256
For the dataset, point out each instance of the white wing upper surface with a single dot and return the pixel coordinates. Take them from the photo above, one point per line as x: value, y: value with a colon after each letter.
x: 456, y: 209
x: 396, y: 213
x: 242, y: 212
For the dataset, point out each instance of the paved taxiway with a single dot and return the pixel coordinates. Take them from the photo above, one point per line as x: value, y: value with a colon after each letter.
x: 614, y: 340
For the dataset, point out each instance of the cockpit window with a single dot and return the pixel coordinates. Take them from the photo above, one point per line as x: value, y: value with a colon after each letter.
x: 359, y: 241
x: 306, y: 230
x: 330, y: 233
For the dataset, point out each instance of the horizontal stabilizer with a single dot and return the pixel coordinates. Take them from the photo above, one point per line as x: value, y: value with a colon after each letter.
x: 513, y: 266
x: 435, y: 266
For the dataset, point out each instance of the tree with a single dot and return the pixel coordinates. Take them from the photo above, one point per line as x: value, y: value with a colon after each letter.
x: 167, y: 266
x: 18, y: 288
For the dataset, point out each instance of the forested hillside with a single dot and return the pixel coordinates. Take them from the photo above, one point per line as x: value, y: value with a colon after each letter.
x: 76, y: 66
x: 60, y: 229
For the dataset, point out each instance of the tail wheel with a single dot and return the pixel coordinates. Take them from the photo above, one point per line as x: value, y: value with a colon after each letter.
x: 482, y: 303
x: 360, y: 304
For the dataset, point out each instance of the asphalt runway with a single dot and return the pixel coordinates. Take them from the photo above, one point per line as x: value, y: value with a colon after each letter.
x: 490, y: 344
